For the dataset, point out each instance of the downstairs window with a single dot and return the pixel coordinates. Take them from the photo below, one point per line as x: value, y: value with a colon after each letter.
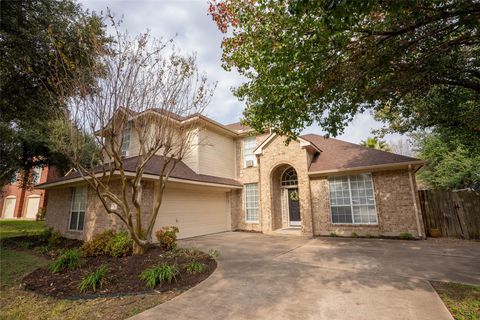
x: 352, y: 199
x: 77, y: 211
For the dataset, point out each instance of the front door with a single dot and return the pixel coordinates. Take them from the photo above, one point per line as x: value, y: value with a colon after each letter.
x: 294, y: 208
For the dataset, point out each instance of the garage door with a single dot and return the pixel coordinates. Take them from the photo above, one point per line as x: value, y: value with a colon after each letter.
x: 33, y: 204
x: 194, y: 212
x: 9, y: 207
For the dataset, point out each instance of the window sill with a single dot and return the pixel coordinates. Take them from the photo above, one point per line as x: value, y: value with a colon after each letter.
x: 74, y: 231
x: 355, y: 224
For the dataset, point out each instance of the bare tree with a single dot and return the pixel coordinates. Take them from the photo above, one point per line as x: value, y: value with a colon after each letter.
x: 403, y: 147
x: 150, y: 94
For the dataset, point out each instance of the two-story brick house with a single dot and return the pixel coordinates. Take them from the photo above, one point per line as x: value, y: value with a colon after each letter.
x: 234, y: 180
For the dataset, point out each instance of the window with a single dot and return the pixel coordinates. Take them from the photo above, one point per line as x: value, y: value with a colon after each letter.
x: 289, y: 177
x: 77, y: 213
x: 126, y: 139
x: 352, y: 199
x: 251, y: 202
x: 37, y: 173
x: 249, y: 144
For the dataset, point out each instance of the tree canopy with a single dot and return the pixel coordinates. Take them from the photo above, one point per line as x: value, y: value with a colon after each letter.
x: 43, y: 43
x: 415, y: 64
x: 375, y: 143
x: 448, y: 164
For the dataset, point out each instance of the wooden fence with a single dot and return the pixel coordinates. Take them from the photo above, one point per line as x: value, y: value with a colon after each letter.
x: 454, y: 213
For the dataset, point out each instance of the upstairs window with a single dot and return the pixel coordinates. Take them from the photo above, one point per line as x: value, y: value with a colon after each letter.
x: 249, y: 158
x: 352, y: 200
x: 126, y: 139
x: 37, y: 174
x: 77, y: 211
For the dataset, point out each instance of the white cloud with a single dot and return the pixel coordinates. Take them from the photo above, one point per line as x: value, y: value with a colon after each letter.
x: 196, y: 32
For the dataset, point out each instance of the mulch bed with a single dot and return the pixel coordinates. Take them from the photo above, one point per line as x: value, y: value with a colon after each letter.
x: 33, y: 243
x: 122, y: 277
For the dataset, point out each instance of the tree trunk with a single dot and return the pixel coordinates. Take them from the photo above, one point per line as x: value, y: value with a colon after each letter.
x: 138, y: 249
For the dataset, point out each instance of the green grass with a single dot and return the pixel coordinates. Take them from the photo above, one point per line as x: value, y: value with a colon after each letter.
x: 463, y: 301
x: 14, y: 265
x: 15, y: 228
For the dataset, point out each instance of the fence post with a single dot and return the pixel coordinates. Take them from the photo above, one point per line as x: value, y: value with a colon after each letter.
x: 459, y: 206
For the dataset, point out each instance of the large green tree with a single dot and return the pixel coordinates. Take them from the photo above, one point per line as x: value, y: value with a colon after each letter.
x: 448, y: 164
x: 43, y: 44
x: 414, y: 63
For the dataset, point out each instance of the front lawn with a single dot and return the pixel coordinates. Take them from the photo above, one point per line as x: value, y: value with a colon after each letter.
x: 18, y: 260
x: 463, y: 301
x: 15, y: 228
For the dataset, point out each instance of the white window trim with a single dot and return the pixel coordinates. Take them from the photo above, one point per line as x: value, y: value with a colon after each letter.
x: 351, y: 205
x: 245, y: 204
x: 127, y: 131
x: 71, y: 211
x: 251, y: 156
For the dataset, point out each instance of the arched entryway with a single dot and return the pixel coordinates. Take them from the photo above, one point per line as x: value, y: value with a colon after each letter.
x: 285, y: 198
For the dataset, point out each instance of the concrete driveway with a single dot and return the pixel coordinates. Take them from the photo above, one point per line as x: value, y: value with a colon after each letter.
x: 277, y: 277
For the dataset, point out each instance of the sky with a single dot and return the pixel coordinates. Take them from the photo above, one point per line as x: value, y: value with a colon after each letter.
x: 194, y: 31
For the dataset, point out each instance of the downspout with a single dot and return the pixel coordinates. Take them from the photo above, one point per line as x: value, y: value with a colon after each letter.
x: 417, y: 217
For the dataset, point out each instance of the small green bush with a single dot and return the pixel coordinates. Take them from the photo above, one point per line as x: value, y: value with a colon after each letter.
x: 155, y: 275
x: 98, y: 245
x: 333, y: 234
x: 41, y: 214
x: 406, y: 236
x: 354, y: 235
x: 120, y: 245
x: 94, y: 279
x: 192, y: 253
x: 25, y: 244
x: 45, y: 249
x: 368, y: 235
x: 55, y: 238
x: 70, y: 260
x: 167, y: 237
x: 195, y: 267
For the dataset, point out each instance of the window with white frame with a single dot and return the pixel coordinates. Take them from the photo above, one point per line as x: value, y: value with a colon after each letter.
x: 251, y: 202
x: 249, y: 144
x: 77, y: 211
x: 352, y: 199
x: 126, y: 139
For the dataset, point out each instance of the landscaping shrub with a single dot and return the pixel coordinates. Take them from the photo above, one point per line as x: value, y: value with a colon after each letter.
x: 333, y: 234
x: 192, y: 252
x: 214, y: 253
x: 94, y: 279
x: 55, y: 238
x: 167, y: 237
x: 195, y: 267
x: 354, y: 235
x: 70, y: 260
x: 98, y: 245
x: 155, y: 275
x: 120, y: 245
x: 41, y: 214
x: 406, y: 236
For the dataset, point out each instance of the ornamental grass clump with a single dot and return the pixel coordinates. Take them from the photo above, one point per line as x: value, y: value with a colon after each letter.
x: 164, y: 273
x: 195, y: 267
x: 69, y: 260
x: 94, y: 279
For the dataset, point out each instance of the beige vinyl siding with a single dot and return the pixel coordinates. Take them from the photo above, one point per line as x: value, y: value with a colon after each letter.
x: 195, y: 211
x: 191, y: 158
x: 216, y: 154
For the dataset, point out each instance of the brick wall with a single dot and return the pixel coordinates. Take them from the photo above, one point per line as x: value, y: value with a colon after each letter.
x: 96, y: 217
x: 395, y: 207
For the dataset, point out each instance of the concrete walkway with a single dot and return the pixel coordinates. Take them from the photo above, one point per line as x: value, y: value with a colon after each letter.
x: 277, y: 277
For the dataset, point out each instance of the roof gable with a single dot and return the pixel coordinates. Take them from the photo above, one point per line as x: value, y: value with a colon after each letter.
x: 338, y: 155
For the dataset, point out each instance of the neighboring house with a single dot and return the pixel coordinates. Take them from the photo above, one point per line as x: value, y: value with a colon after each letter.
x: 24, y: 203
x: 235, y: 181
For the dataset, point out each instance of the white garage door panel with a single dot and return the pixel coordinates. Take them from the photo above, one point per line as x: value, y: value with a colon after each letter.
x: 194, y: 212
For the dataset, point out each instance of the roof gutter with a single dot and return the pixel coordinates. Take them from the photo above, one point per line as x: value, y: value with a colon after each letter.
x: 147, y: 176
